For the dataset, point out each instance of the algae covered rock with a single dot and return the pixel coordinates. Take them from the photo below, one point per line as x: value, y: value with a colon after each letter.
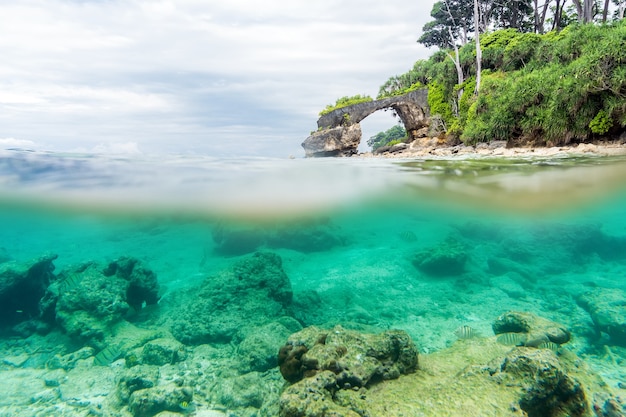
x: 163, y: 351
x: 253, y: 292
x: 22, y: 285
x: 446, y: 259
x: 607, y: 307
x: 319, y: 363
x: 533, y: 330
x: 88, y: 299
x: 150, y: 401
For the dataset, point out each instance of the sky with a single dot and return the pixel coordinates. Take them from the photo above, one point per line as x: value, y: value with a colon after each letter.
x: 207, y: 77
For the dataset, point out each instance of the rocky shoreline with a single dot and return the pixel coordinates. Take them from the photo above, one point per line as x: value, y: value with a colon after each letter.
x: 434, y: 148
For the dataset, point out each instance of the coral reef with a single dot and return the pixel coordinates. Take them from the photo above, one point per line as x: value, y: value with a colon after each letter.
x: 253, y: 292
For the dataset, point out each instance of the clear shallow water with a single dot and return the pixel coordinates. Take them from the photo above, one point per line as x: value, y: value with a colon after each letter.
x: 532, y: 234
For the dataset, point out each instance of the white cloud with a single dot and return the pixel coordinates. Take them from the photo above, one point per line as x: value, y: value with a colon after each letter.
x: 8, y: 143
x: 156, y: 71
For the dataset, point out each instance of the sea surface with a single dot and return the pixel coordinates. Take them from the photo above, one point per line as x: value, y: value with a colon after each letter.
x: 358, y: 239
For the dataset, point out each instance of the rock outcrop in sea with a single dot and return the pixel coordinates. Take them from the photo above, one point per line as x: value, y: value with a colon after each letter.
x: 339, y: 132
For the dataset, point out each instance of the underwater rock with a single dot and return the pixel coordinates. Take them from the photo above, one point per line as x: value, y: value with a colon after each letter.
x: 253, y: 292
x: 257, y: 351
x: 607, y: 308
x: 136, y: 378
x: 233, y: 241
x: 546, y: 387
x: 310, y: 237
x: 150, y: 401
x: 535, y: 329
x: 163, y: 351
x: 143, y: 286
x: 445, y: 259
x: 88, y: 299
x: 321, y: 362
x: 22, y: 286
x: 70, y: 360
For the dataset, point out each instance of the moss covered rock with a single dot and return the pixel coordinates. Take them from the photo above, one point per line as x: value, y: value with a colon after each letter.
x: 533, y: 330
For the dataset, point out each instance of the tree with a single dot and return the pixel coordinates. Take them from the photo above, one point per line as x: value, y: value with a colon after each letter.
x: 584, y: 9
x: 478, y: 50
x: 383, y: 138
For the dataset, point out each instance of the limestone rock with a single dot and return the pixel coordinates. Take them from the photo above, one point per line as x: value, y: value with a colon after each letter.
x: 607, y: 307
x: 334, y: 141
x: 22, y: 285
x: 253, y: 292
x: 339, y: 131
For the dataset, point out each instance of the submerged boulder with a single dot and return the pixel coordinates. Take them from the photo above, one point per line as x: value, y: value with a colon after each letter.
x: 22, y: 285
x: 253, y: 292
x: 532, y: 329
x: 445, y: 259
x: 88, y: 299
x: 323, y: 365
x: 607, y: 307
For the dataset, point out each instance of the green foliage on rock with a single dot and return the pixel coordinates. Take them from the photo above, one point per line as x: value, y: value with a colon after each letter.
x: 344, y: 102
x: 438, y: 103
x: 395, y: 134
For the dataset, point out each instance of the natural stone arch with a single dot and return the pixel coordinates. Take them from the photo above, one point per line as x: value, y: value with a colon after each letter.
x: 339, y: 132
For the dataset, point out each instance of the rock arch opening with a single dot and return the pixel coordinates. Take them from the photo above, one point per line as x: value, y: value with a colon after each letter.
x: 339, y: 132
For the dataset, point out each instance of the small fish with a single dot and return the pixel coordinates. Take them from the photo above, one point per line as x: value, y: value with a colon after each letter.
x: 107, y: 356
x: 466, y: 332
x: 407, y: 236
x: 549, y: 345
x: 511, y: 339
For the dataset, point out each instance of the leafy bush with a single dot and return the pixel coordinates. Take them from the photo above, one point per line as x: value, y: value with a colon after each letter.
x: 601, y: 124
x: 344, y: 102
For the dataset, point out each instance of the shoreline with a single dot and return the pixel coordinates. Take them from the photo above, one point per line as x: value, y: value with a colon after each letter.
x: 497, y: 149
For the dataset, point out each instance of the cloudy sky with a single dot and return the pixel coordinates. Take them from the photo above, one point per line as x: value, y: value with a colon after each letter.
x: 213, y: 77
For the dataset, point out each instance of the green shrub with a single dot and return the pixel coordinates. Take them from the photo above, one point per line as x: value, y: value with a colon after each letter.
x: 438, y: 103
x: 344, y: 102
x: 601, y: 124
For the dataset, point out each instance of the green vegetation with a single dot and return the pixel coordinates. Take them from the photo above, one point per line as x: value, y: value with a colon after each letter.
x: 552, y: 88
x: 389, y: 91
x: 390, y: 137
x: 344, y: 102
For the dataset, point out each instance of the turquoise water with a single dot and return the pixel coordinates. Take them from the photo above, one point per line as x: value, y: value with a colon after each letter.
x: 422, y: 246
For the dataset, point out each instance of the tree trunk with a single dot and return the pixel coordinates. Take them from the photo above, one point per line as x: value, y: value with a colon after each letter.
x: 605, y: 11
x: 478, y: 50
